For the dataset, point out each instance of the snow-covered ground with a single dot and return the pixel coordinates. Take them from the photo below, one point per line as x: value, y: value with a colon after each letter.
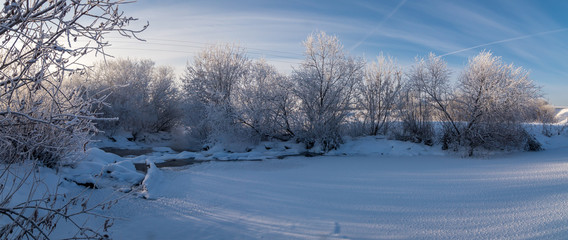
x: 562, y: 115
x: 368, y: 189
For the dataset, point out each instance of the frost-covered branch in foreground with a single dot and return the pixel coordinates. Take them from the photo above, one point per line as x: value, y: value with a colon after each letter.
x: 34, y: 207
x: 42, y: 41
x: 44, y: 120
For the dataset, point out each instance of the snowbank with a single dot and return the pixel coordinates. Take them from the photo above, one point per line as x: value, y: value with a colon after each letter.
x: 153, y: 181
x: 380, y: 146
x: 101, y: 169
x: 562, y: 116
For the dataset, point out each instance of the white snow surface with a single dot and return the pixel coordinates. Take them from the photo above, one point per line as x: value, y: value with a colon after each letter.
x: 103, y: 169
x: 368, y: 189
x: 153, y: 182
x: 562, y: 116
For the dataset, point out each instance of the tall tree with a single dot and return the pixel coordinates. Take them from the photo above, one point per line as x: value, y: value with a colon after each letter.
x: 264, y: 102
x: 430, y: 79
x: 210, y: 83
x: 325, y: 84
x: 378, y: 92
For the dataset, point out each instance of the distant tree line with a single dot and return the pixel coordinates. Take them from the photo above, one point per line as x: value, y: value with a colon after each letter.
x: 224, y: 96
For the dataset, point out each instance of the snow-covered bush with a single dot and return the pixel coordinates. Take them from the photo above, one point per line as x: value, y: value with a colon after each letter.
x: 43, y: 127
x: 492, y: 101
x: 325, y: 84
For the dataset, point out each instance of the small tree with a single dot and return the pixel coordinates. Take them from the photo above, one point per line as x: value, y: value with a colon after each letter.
x: 125, y: 84
x: 378, y: 92
x: 325, y: 84
x: 430, y: 78
x: 415, y: 113
x: 264, y: 102
x: 164, y: 100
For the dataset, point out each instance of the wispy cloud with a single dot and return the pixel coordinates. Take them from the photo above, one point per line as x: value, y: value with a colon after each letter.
x: 506, y: 41
x: 386, y: 18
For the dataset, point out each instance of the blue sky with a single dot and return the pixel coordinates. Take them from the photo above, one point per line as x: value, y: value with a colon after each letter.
x: 531, y: 34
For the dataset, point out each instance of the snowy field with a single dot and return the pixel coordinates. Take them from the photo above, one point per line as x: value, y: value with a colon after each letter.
x: 370, y: 189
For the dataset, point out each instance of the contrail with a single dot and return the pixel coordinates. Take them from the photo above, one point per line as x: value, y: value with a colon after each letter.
x: 506, y: 40
x: 379, y: 25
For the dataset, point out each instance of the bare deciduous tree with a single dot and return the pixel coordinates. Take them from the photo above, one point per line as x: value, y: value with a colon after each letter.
x: 142, y: 96
x: 325, y: 84
x: 164, y: 100
x: 209, y: 87
x: 430, y: 77
x: 214, y: 74
x: 378, y: 92
x: 264, y: 102
x: 125, y: 85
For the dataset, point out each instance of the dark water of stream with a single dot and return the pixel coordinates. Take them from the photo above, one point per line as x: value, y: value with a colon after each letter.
x: 127, y: 152
x: 141, y: 167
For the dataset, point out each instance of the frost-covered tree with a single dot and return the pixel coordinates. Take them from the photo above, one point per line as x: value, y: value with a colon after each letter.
x: 541, y: 111
x: 142, y: 96
x: 430, y: 78
x: 415, y: 114
x: 165, y: 99
x: 264, y: 102
x: 210, y: 83
x: 493, y: 99
x: 378, y: 92
x: 125, y: 84
x: 325, y: 84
